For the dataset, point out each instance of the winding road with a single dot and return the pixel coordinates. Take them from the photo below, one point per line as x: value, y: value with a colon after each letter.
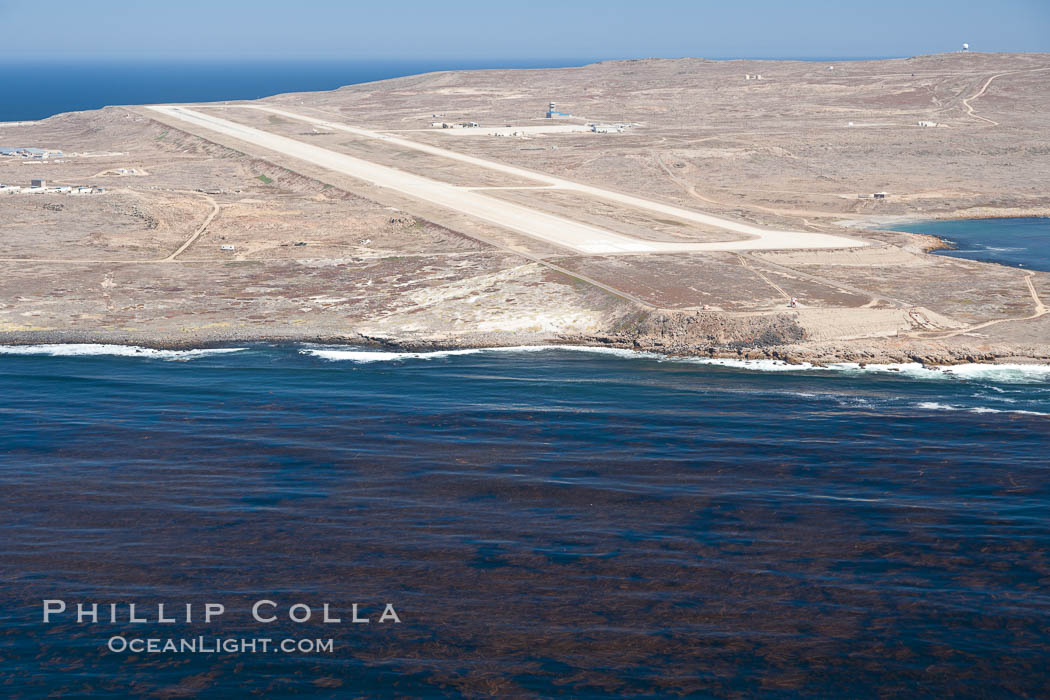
x: 984, y: 88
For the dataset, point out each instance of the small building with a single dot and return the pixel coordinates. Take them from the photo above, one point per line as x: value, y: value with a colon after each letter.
x: 552, y: 111
x: 38, y: 182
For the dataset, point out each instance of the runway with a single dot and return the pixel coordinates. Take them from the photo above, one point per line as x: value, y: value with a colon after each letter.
x: 574, y: 235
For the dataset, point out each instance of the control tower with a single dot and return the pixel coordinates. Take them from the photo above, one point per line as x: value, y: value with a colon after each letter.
x: 552, y: 111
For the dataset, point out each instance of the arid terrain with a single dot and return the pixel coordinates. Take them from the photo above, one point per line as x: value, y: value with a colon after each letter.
x: 717, y: 199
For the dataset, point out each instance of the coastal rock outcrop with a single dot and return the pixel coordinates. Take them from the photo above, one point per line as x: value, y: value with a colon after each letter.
x: 685, y: 331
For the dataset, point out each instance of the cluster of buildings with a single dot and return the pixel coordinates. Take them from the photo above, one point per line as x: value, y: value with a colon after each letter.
x: 35, y: 153
x: 526, y: 132
x: 40, y: 186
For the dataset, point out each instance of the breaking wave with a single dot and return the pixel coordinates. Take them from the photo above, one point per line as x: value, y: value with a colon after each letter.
x: 92, y: 349
x: 936, y: 406
x: 369, y: 356
x: 1008, y: 373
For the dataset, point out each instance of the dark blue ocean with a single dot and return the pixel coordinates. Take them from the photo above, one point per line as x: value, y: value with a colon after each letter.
x: 1019, y: 242
x: 543, y: 522
x: 38, y: 89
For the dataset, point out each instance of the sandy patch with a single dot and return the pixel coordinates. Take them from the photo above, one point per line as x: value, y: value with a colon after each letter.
x: 854, y: 257
x: 851, y: 324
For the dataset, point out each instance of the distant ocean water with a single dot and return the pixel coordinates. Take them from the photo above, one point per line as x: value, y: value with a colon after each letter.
x: 545, y: 522
x: 39, y: 89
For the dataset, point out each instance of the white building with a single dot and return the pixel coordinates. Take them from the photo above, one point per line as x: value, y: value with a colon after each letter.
x: 609, y: 128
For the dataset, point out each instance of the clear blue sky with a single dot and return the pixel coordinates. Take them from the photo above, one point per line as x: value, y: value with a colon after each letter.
x: 513, y: 29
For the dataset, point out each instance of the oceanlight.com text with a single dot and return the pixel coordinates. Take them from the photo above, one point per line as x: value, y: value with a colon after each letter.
x: 218, y: 645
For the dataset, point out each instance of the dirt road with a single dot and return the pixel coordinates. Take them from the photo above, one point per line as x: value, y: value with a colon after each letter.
x: 984, y: 88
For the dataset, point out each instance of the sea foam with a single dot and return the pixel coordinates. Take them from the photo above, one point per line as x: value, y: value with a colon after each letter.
x: 936, y: 406
x: 1008, y: 373
x: 92, y: 349
x: 369, y: 356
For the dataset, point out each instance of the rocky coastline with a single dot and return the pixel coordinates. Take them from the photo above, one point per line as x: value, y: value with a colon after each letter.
x: 675, y: 334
